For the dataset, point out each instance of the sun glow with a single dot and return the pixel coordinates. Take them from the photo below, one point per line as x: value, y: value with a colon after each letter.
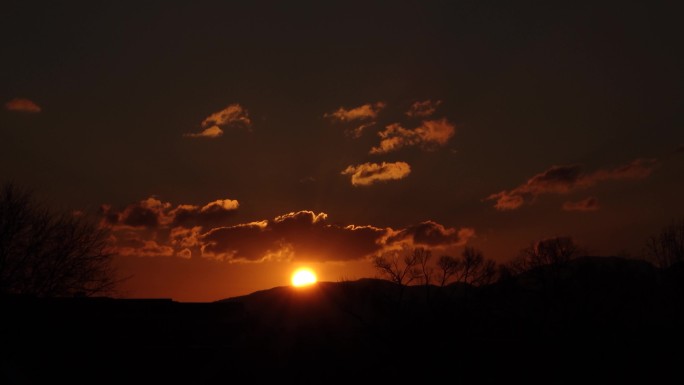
x: 303, y: 277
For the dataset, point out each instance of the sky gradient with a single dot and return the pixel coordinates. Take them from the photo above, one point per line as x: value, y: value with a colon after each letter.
x: 227, y: 143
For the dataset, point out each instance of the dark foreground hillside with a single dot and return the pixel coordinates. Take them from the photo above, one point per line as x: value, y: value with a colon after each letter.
x: 597, y: 320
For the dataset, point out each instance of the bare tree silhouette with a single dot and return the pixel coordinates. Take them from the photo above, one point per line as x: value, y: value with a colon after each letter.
x: 49, y: 254
x: 667, y: 247
x: 423, y: 257
x: 554, y: 252
x: 448, y: 267
x: 545, y: 262
x: 398, y: 269
x: 475, y: 269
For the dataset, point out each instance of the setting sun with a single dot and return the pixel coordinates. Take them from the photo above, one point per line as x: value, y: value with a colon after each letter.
x: 303, y: 277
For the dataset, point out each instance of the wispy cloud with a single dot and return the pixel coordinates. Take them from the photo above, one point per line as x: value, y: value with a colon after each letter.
x: 423, y: 109
x: 564, y: 179
x: 429, y: 135
x: 357, y: 131
x: 211, y: 132
x: 587, y: 204
x: 368, y: 173
x: 430, y: 234
x: 233, y: 115
x: 364, y: 112
x: 22, y: 105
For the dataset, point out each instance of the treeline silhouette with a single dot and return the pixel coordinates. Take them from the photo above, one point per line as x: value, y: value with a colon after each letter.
x: 45, y: 253
x: 550, y: 315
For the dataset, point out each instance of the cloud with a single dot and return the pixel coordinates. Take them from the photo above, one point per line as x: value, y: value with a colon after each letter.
x: 564, y: 179
x: 131, y: 244
x: 587, y: 204
x: 305, y: 235
x: 364, y: 112
x: 301, y: 235
x: 152, y: 227
x: 22, y: 105
x: 429, y: 135
x: 357, y: 131
x: 211, y: 132
x: 423, y: 109
x: 149, y: 249
x: 153, y: 213
x: 368, y: 173
x: 431, y: 234
x: 233, y: 115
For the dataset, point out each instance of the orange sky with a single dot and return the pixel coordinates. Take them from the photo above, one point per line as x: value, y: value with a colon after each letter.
x: 225, y: 143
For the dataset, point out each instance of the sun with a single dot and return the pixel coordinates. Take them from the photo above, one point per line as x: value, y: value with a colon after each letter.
x: 303, y: 277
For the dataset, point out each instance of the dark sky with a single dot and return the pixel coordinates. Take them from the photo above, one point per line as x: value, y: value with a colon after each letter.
x: 435, y: 124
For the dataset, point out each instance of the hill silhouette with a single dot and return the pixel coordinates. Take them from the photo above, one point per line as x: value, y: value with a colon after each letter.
x: 604, y: 317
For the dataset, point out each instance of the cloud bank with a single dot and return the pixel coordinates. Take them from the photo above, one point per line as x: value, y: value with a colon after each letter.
x: 153, y: 228
x: 565, y: 179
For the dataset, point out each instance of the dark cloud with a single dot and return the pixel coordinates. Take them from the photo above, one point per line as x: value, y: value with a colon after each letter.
x: 305, y: 235
x: 432, y: 234
x: 298, y: 235
x: 152, y: 227
x: 564, y: 179
x: 587, y: 204
x: 153, y: 213
x: 212, y: 214
x: 22, y: 105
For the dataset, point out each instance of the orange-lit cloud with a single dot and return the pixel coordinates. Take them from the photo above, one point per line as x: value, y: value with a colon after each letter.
x: 22, y: 105
x: 357, y: 131
x: 233, y: 115
x: 587, y: 204
x: 423, y: 109
x: 140, y: 248
x: 152, y: 212
x: 151, y: 228
x: 305, y: 235
x: 368, y: 173
x: 211, y: 132
x: 302, y: 235
x: 564, y: 179
x: 429, y: 135
x: 364, y: 112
